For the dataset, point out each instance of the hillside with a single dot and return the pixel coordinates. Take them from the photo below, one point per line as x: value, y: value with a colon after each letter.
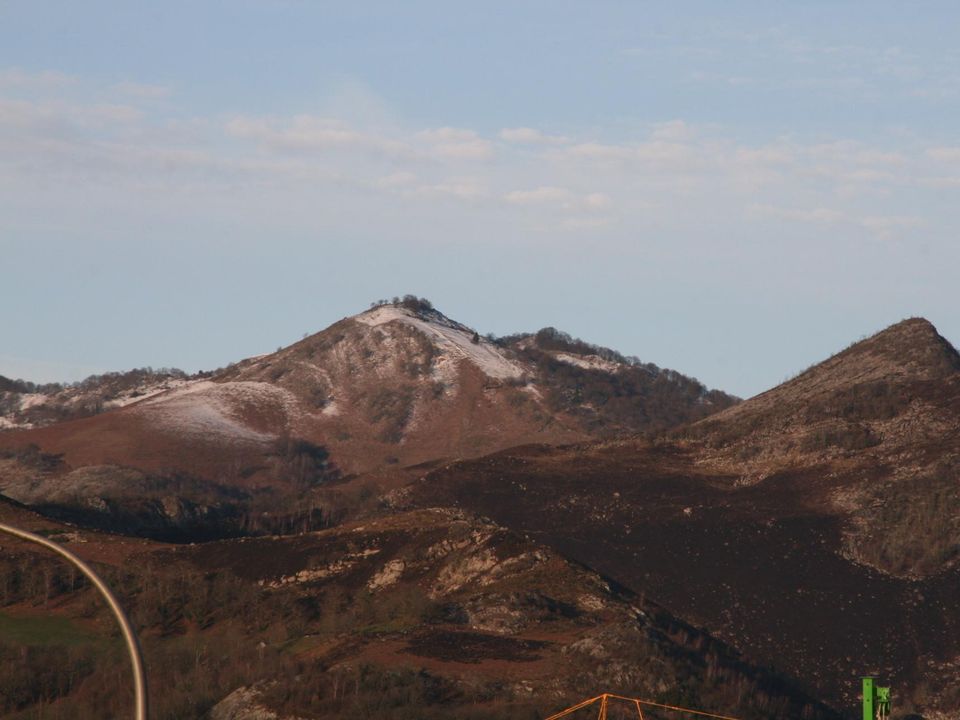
x: 422, y: 614
x: 816, y: 526
x: 398, y: 385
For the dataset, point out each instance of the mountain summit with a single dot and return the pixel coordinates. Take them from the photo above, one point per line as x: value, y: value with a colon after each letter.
x: 888, y: 393
x: 909, y: 350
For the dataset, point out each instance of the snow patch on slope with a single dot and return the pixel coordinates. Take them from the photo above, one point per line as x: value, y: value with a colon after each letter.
x: 455, y: 342
x: 145, y: 392
x: 29, y: 400
x: 588, y: 362
x: 203, y: 407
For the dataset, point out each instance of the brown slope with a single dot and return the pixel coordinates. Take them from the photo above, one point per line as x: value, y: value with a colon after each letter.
x: 394, y: 386
x: 427, y: 613
x: 821, y: 556
x: 897, y: 387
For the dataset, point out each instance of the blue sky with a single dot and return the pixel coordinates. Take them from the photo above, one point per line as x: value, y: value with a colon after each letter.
x: 735, y: 190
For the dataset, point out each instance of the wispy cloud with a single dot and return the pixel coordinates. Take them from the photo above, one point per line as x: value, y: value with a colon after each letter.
x: 309, y: 133
x: 816, y: 215
x: 668, y: 174
x: 531, y: 136
x: 558, y: 198
x: 883, y: 227
x: 941, y: 154
x: 19, y: 79
x: 462, y: 188
x: 455, y: 143
x: 145, y: 91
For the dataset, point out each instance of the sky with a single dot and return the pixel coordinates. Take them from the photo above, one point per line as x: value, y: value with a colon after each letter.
x: 734, y: 190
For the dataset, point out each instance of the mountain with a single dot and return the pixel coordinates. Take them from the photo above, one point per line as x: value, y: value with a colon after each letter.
x: 890, y: 389
x: 393, y: 387
x: 816, y: 527
x: 504, y: 525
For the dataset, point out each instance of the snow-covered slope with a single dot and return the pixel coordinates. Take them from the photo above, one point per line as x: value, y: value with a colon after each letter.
x: 455, y: 342
x: 211, y: 409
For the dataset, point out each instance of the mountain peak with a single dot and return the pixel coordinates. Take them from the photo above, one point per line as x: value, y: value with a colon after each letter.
x: 911, y: 349
x: 452, y: 341
x: 914, y: 343
x: 851, y: 400
x: 382, y: 314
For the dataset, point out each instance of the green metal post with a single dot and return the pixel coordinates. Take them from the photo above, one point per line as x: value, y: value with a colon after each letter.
x: 869, y: 699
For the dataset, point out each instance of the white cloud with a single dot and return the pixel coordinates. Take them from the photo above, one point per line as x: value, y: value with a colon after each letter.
x: 884, y: 227
x: 890, y: 226
x: 464, y: 189
x: 584, y: 223
x: 863, y: 175
x: 144, y: 91
x: 880, y: 157
x: 109, y: 113
x: 57, y: 120
x: 45, y: 80
x: 765, y: 155
x: 310, y: 133
x: 674, y: 175
x: 673, y: 131
x: 656, y: 154
x: 29, y: 116
x: 531, y: 136
x: 558, y: 198
x: 597, y: 201
x: 397, y: 180
x: 817, y: 215
x: 455, y: 144
x: 544, y: 194
x: 944, y: 154
x: 448, y: 135
x: 601, y: 151
x: 943, y: 182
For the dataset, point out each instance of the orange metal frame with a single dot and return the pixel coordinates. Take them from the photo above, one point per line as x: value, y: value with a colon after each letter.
x: 605, y: 698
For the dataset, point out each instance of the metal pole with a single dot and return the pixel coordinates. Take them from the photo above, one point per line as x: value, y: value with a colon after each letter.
x: 869, y: 697
x: 133, y: 646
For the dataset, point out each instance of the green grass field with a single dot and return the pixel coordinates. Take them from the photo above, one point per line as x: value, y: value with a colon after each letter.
x: 42, y: 631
